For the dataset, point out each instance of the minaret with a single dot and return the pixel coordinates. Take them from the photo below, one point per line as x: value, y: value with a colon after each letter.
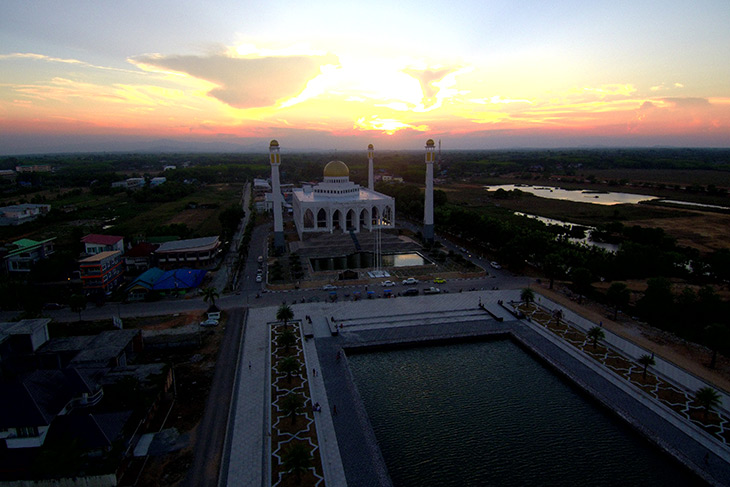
x: 275, y: 160
x: 371, y: 179
x: 428, y: 203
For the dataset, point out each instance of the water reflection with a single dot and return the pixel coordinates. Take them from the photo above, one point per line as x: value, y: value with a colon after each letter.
x: 578, y: 195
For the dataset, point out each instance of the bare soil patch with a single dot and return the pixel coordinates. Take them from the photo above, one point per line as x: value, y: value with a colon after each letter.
x: 706, y: 232
x: 193, y: 218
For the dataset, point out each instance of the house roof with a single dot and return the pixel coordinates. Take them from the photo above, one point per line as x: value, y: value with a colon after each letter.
x: 105, y: 346
x: 143, y: 249
x: 37, y: 398
x: 147, y: 279
x: 93, y: 431
x: 188, y: 245
x: 26, y: 244
x: 179, y: 279
x: 100, y: 256
x: 95, y: 238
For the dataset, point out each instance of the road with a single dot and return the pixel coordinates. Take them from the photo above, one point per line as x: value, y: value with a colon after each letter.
x: 211, y: 432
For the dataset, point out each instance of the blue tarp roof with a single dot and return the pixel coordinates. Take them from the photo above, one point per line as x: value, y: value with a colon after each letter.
x: 179, y: 279
x: 147, y: 279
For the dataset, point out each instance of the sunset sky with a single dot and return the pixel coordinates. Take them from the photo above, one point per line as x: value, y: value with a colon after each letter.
x: 480, y: 74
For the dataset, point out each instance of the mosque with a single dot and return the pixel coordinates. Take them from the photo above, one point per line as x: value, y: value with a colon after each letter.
x: 338, y: 205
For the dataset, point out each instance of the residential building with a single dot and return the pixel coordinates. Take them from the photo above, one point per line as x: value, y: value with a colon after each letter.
x: 95, y: 243
x: 23, y: 253
x: 139, y: 258
x: 101, y: 273
x: 34, y: 168
x: 157, y: 181
x: 195, y: 252
x: 19, y: 214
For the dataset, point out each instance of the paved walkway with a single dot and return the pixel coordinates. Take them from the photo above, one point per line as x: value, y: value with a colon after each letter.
x: 349, y: 449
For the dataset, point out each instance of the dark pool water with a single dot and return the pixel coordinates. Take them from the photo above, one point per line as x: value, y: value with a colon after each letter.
x: 490, y: 414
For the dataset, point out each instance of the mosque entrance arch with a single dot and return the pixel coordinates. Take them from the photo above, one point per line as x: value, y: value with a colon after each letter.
x: 376, y: 216
x: 350, y: 220
x: 322, y: 218
x: 308, y: 219
x: 364, y: 217
x: 337, y: 220
x: 387, y: 216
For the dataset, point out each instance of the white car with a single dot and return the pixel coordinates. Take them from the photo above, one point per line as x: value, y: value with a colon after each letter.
x: 259, y: 278
x: 329, y: 287
x: 387, y: 284
x: 209, y: 322
x: 431, y: 290
x: 495, y: 265
x: 410, y: 281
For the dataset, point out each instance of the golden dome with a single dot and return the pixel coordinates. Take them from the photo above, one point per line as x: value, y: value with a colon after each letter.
x: 274, y: 143
x: 430, y: 143
x: 370, y: 147
x: 336, y: 169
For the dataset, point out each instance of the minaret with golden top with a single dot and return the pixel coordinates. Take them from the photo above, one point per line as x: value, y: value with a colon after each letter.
x: 371, y: 178
x: 428, y: 203
x: 275, y: 160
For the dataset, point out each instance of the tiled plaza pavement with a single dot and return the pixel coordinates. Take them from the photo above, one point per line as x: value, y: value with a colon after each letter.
x: 348, y: 446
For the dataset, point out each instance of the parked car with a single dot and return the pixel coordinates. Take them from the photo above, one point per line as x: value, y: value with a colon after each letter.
x: 495, y: 265
x: 431, y: 290
x: 410, y: 281
x: 439, y: 280
x: 209, y: 322
x: 259, y: 278
x: 411, y: 292
x: 329, y: 287
x: 387, y: 284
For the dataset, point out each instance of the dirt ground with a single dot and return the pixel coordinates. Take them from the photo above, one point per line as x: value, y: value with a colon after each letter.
x: 194, y: 369
x: 690, y: 356
x: 704, y: 231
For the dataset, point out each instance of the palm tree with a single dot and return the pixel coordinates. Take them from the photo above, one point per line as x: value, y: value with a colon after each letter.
x: 284, y: 313
x: 297, y: 459
x: 708, y: 398
x: 286, y: 339
x: 646, y: 360
x: 596, y: 334
x: 289, y: 365
x: 292, y: 405
x: 558, y: 314
x: 210, y: 294
x: 527, y: 295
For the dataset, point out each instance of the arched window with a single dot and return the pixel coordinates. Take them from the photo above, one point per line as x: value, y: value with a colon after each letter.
x: 376, y: 216
x: 350, y: 220
x: 336, y: 217
x: 322, y: 218
x: 308, y: 219
x: 364, y: 218
x: 387, y: 216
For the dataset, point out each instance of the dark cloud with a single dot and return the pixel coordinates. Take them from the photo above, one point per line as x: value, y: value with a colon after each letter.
x: 427, y: 78
x: 243, y: 82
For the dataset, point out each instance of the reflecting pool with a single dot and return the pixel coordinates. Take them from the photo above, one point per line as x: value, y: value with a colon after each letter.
x: 363, y: 260
x: 488, y: 413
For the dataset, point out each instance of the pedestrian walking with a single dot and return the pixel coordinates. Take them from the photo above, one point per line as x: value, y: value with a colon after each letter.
x: 314, y: 372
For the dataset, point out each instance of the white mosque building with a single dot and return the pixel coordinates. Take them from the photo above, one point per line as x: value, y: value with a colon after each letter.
x: 339, y: 205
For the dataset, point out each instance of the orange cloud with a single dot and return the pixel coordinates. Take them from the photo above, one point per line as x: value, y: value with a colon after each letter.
x: 245, y: 82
